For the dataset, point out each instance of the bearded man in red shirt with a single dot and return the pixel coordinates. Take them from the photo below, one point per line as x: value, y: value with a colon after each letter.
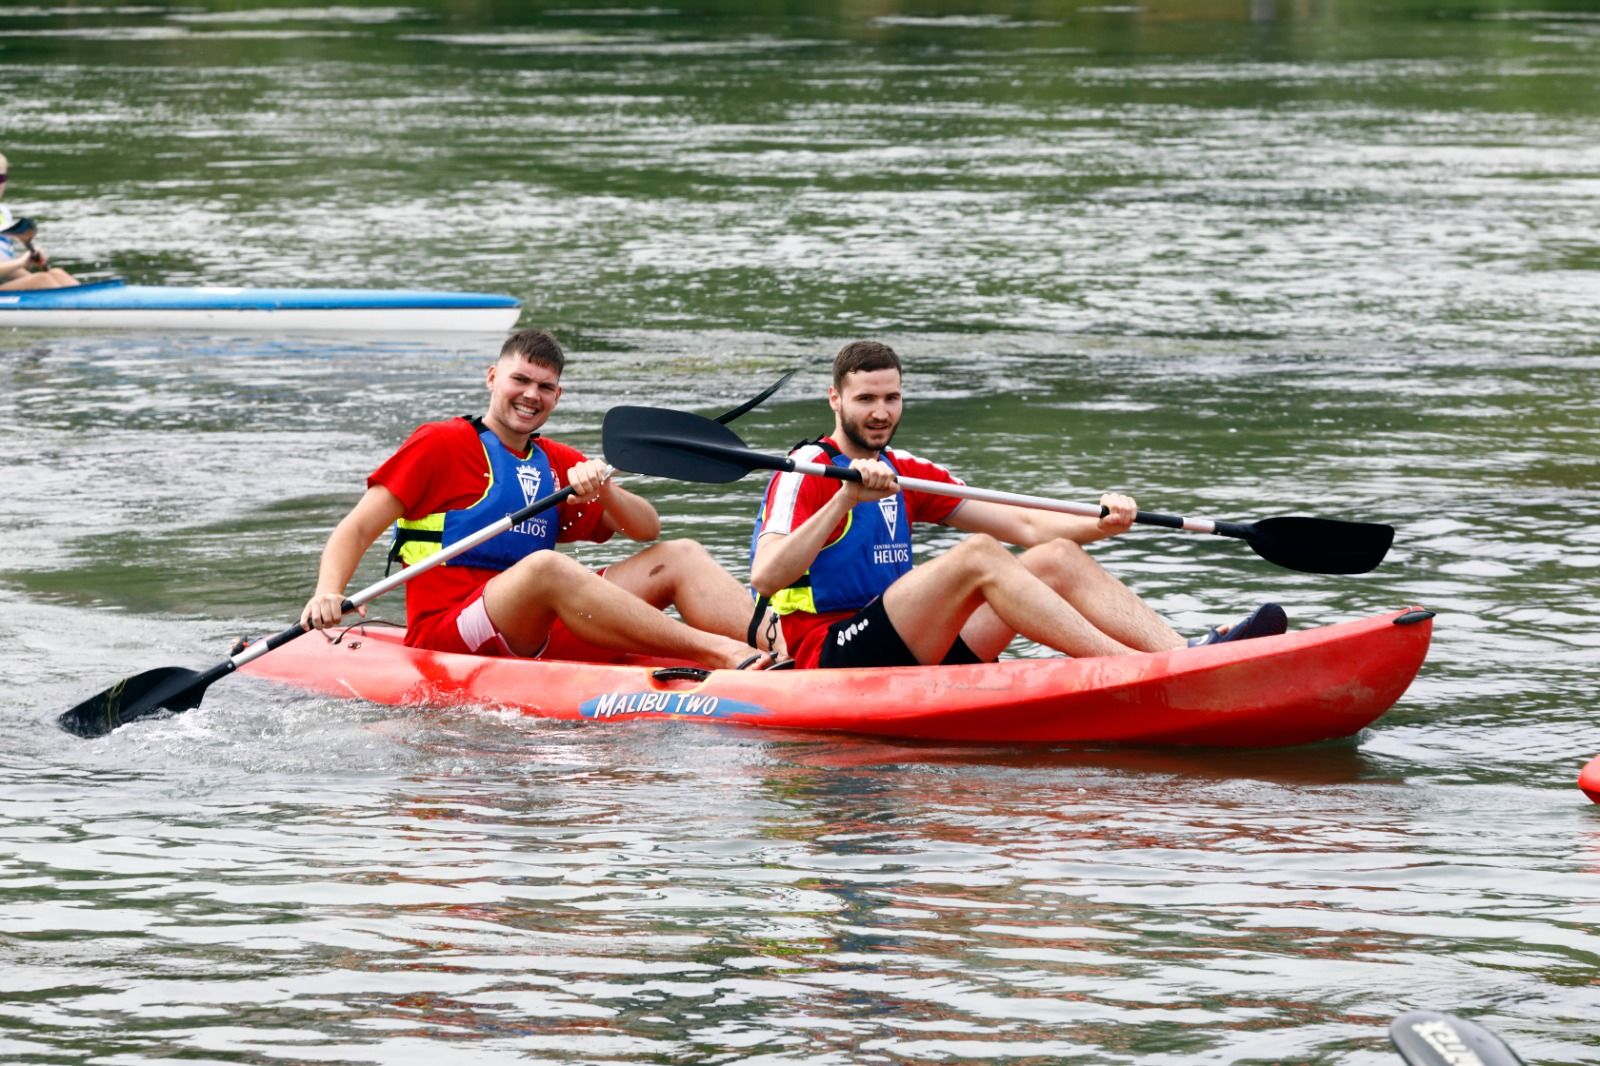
x: 835, y: 557
x: 511, y: 595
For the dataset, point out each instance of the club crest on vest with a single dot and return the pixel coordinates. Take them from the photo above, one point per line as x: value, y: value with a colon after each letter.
x: 530, y: 479
x: 889, y: 507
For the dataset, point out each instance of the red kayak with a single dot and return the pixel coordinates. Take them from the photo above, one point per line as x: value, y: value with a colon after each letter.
x: 1316, y: 684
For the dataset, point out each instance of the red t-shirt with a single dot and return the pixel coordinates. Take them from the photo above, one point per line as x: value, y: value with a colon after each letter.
x: 793, y: 498
x: 441, y: 467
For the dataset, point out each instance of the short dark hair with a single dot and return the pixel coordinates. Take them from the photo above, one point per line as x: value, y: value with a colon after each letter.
x: 537, y: 346
x: 864, y: 356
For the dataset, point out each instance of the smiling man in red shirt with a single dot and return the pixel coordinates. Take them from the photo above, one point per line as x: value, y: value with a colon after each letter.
x: 511, y: 595
x: 835, y: 557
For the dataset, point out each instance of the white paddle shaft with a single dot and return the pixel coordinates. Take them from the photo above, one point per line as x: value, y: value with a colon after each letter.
x: 969, y: 492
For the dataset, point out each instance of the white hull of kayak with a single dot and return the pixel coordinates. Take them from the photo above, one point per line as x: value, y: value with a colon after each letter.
x: 365, y: 320
x: 114, y: 304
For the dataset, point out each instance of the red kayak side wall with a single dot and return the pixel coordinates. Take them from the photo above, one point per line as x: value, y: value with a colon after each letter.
x: 1301, y: 687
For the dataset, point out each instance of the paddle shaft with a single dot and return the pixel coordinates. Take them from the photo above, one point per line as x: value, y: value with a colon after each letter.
x: 1018, y: 499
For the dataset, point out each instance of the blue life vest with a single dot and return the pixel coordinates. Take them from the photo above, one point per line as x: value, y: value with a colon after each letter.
x: 514, y: 482
x: 852, y: 571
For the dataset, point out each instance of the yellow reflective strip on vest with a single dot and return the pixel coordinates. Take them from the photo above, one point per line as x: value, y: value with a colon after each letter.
x: 414, y: 551
x: 788, y: 601
x: 849, y: 520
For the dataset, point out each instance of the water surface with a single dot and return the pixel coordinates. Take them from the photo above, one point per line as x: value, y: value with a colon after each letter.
x: 1239, y: 259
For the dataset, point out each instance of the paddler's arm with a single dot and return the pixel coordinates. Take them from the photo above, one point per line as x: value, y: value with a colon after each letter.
x: 377, y: 511
x: 1025, y: 527
x: 781, y: 559
x: 632, y: 516
x: 14, y: 264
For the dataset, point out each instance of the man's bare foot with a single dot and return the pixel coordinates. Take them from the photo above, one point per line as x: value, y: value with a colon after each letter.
x: 732, y: 655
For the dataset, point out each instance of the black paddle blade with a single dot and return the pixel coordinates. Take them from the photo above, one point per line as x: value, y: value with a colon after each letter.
x: 22, y: 229
x: 755, y: 401
x: 1429, y: 1038
x: 679, y: 445
x: 1321, y: 545
x: 170, y: 688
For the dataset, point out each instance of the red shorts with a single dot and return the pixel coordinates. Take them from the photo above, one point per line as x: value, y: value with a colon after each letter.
x: 468, y: 631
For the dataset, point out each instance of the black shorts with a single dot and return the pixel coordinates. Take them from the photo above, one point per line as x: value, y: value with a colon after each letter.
x: 868, y: 638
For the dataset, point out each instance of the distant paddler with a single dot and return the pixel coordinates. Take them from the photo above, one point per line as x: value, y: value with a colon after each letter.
x: 23, y: 264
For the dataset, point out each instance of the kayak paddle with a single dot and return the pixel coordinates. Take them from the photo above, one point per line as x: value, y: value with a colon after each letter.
x: 172, y: 688
x: 1431, y: 1038
x: 686, y: 447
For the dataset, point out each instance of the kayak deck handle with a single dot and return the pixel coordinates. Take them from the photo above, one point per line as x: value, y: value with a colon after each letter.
x: 1413, y: 616
x: 680, y: 673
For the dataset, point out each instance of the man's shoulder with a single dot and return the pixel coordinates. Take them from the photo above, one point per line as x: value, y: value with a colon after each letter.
x: 561, y: 456
x: 814, y: 451
x: 446, y: 427
x: 435, y: 454
x: 913, y: 465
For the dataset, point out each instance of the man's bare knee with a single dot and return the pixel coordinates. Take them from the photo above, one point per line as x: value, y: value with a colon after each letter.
x: 544, y: 567
x: 979, y: 554
x: 684, y: 550
x: 1059, y: 559
x: 981, y: 545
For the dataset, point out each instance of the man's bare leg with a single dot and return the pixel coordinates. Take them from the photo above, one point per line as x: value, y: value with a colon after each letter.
x: 1103, y: 601
x: 525, y: 601
x: 682, y: 574
x: 930, y: 605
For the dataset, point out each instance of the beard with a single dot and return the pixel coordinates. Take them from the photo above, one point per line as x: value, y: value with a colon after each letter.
x: 857, y: 435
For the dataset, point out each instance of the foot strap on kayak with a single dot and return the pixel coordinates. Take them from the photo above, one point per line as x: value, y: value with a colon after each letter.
x: 754, y: 629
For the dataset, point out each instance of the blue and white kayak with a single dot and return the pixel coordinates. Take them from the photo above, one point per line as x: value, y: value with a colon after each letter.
x: 117, y: 305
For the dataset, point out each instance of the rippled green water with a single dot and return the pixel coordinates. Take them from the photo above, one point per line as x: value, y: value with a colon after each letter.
x: 1239, y: 259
